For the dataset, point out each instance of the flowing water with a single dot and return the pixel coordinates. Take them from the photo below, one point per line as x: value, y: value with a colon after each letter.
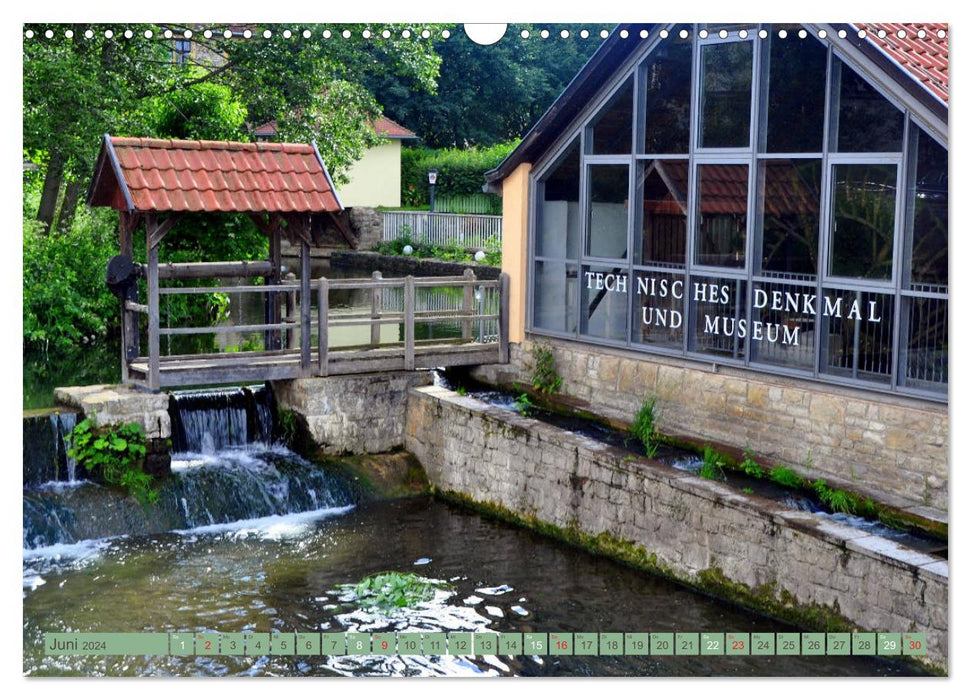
x: 250, y: 537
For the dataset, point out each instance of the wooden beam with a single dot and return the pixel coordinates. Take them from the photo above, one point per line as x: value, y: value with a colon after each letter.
x: 376, y: 303
x: 157, y: 230
x: 153, y: 311
x: 305, y: 304
x: 468, y: 298
x: 201, y: 270
x: 323, y: 337
x: 504, y: 318
x: 409, y: 322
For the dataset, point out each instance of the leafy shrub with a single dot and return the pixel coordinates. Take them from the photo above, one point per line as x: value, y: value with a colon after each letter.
x: 786, y: 477
x: 437, y: 252
x: 523, y: 405
x: 712, y: 466
x: 117, y: 451
x: 644, y: 428
x: 460, y: 171
x: 545, y: 379
x: 750, y: 466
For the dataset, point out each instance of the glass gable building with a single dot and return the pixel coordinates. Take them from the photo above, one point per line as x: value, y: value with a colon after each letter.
x: 752, y: 196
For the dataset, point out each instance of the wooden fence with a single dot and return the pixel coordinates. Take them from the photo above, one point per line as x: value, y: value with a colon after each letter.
x: 478, y: 231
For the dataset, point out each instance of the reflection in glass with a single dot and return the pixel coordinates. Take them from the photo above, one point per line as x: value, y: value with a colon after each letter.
x: 925, y: 334
x: 559, y: 209
x: 658, y: 314
x: 722, y: 207
x: 790, y: 215
x: 607, y: 222
x: 858, y: 334
x: 667, y: 91
x: 783, y: 324
x: 554, y: 297
x: 612, y: 126
x: 718, y: 306
x: 663, y: 185
x: 864, y: 197
x: 929, y: 198
x: 797, y: 95
x: 603, y: 302
x: 867, y: 122
x: 726, y: 94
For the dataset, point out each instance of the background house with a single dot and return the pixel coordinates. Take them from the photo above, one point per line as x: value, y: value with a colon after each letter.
x: 374, y: 180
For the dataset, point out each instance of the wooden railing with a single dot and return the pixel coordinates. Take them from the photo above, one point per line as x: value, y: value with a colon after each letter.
x: 479, y: 231
x: 404, y: 323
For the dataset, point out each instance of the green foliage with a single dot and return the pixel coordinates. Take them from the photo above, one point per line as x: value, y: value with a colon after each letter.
x: 460, y: 171
x: 523, y: 404
x: 462, y: 391
x: 749, y: 465
x: 391, y: 590
x: 65, y: 300
x: 205, y: 111
x: 287, y: 420
x: 644, y: 427
x: 786, y: 477
x: 489, y: 94
x: 545, y: 378
x: 117, y: 452
x: 712, y: 466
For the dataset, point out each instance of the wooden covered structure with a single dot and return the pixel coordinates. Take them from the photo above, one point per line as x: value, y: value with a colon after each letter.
x: 287, y: 191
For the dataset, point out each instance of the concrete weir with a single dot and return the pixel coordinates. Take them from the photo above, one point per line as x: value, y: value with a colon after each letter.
x: 788, y: 563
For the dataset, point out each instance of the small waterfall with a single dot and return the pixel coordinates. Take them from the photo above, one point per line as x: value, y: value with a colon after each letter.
x: 45, y: 448
x: 210, y: 420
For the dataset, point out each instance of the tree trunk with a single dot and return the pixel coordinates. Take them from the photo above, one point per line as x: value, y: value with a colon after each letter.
x: 52, y: 188
x: 69, y: 206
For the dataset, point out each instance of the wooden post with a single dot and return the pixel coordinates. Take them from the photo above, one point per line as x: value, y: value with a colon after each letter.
x: 409, y: 322
x: 304, y: 305
x: 273, y: 340
x: 130, y: 337
x: 468, y: 297
x: 376, y: 294
x: 323, y: 312
x: 504, y: 318
x: 153, y: 309
x: 291, y: 309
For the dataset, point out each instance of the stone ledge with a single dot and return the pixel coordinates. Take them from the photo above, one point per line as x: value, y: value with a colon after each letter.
x: 107, y: 404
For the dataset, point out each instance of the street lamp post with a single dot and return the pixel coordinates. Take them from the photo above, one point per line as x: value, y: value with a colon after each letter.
x: 432, y: 179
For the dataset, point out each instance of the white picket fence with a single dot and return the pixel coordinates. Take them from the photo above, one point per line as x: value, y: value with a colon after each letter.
x: 461, y: 230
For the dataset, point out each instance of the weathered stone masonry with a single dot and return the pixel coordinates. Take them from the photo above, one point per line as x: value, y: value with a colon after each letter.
x: 692, y: 526
x: 893, y: 448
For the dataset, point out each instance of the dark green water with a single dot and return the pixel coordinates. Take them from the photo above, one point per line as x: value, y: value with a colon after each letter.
x: 285, y: 573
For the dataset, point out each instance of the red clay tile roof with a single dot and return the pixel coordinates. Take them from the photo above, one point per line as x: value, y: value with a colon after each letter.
x: 211, y: 176
x: 925, y: 58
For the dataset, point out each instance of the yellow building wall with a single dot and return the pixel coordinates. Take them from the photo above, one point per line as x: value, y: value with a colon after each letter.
x: 375, y: 180
x: 515, y: 220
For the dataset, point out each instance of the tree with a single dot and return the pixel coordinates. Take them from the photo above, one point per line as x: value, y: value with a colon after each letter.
x: 517, y: 79
x: 80, y: 87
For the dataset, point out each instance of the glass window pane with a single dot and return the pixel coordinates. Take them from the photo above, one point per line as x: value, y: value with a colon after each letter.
x: 558, y: 233
x: 863, y: 221
x: 783, y: 325
x: 612, y: 127
x: 718, y: 306
x: 607, y: 220
x: 790, y: 195
x: 797, y: 95
x: 722, y: 208
x: 662, y: 228
x: 554, y: 297
x: 726, y: 95
x: 858, y: 334
x: 925, y: 338
x: 867, y: 122
x: 603, y: 302
x: 658, y: 315
x: 667, y: 97
x: 929, y: 196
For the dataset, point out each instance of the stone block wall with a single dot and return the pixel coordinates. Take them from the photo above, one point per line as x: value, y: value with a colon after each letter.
x: 366, y: 225
x: 692, y: 529
x: 353, y: 413
x: 892, y: 448
x: 120, y: 404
